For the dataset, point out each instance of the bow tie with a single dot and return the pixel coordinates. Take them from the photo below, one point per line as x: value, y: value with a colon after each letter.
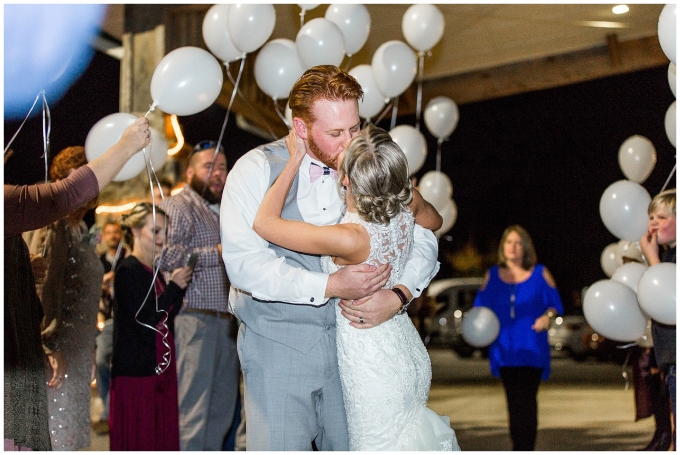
x: 316, y: 171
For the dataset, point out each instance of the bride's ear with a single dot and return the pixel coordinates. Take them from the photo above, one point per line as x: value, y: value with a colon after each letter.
x: 300, y: 127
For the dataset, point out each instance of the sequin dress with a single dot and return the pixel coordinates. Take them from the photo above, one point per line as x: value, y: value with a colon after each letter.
x: 385, y: 371
x: 70, y: 298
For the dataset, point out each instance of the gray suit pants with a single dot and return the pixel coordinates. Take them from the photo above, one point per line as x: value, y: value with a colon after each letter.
x: 291, y: 398
x: 207, y: 377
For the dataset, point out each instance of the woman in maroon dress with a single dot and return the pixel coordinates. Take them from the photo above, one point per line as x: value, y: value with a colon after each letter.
x: 143, y: 397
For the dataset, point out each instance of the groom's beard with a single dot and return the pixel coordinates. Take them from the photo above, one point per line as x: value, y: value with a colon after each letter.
x: 330, y: 161
x: 204, y: 190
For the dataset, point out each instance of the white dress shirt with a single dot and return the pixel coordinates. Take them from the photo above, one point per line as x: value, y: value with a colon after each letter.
x: 255, y: 269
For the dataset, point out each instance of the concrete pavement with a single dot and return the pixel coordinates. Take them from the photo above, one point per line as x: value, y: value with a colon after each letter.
x: 584, y: 407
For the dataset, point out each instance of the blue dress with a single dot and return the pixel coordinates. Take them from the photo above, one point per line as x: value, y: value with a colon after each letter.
x: 517, y: 343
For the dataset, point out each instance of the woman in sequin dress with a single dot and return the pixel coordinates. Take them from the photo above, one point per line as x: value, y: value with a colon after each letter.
x: 70, y: 299
x: 30, y: 207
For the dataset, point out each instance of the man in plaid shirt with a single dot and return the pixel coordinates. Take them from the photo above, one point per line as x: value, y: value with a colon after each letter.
x: 207, y: 361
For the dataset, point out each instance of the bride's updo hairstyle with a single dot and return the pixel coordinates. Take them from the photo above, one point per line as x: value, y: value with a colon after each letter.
x: 378, y: 175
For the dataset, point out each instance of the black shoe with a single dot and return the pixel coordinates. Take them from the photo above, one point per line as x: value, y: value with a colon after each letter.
x: 660, y: 442
x: 101, y: 427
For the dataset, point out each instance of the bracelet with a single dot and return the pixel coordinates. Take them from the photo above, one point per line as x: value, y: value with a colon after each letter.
x: 404, y: 301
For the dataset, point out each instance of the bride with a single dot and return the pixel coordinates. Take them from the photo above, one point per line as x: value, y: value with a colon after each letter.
x: 385, y: 370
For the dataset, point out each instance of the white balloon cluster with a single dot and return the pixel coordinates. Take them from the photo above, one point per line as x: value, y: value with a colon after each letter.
x: 667, y: 40
x: 322, y: 41
x: 619, y: 308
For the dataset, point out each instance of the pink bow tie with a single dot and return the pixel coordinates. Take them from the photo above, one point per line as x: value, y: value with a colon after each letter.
x: 316, y: 171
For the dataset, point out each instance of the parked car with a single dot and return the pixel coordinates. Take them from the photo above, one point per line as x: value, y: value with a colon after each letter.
x: 453, y: 297
x: 572, y: 336
x: 565, y: 336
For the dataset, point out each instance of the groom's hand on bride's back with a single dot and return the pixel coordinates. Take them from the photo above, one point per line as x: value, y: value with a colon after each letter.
x: 357, y: 281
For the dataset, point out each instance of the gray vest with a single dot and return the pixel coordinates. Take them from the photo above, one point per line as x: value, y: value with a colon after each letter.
x: 298, y: 326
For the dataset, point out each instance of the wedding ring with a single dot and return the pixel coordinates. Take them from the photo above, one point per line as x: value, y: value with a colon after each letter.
x: 361, y: 320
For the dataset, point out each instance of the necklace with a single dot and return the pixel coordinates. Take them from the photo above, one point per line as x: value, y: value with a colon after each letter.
x: 513, y: 288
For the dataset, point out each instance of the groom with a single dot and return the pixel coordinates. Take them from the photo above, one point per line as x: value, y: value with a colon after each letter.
x: 286, y: 343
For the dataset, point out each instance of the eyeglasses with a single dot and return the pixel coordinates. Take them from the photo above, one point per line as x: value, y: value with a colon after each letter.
x: 205, y: 145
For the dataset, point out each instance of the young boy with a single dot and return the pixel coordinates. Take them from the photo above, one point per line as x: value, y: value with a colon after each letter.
x: 661, y: 233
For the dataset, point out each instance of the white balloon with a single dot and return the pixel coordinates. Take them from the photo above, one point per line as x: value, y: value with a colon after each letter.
x: 374, y: 100
x: 612, y: 310
x: 413, y: 144
x: 307, y: 7
x: 186, y: 81
x: 669, y: 123
x: 449, y: 215
x: 629, y: 274
x: 671, y: 77
x: 637, y: 158
x: 441, y: 117
x: 320, y: 42
x: 159, y: 149
x: 277, y: 67
x: 251, y: 25
x: 608, y: 259
x: 216, y: 33
x: 666, y: 31
x: 656, y: 292
x: 480, y: 327
x: 394, y: 67
x: 422, y: 26
x: 436, y: 188
x: 623, y: 209
x: 354, y: 22
x: 107, y: 132
x: 627, y: 249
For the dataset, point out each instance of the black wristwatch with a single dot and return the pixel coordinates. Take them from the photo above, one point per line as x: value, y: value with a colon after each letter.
x: 404, y: 301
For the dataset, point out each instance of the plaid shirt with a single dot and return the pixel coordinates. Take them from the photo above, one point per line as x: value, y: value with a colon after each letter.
x: 194, y: 228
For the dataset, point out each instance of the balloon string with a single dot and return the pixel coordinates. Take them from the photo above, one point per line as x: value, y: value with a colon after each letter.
x: 624, y: 373
x: 9, y: 144
x: 439, y: 155
x: 281, y: 115
x: 302, y: 17
x: 224, y: 127
x: 151, y: 109
x: 47, y: 129
x: 384, y: 112
x: 349, y: 61
x: 257, y: 113
x: 669, y: 177
x: 419, y: 99
x: 165, y: 363
x: 395, y: 106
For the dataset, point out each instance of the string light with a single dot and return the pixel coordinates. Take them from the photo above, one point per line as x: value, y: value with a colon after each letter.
x: 178, y: 134
x: 114, y: 208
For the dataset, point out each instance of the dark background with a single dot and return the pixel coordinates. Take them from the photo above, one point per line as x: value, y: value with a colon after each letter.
x: 539, y: 159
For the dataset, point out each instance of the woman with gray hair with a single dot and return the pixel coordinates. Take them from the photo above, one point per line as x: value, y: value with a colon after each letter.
x: 385, y: 371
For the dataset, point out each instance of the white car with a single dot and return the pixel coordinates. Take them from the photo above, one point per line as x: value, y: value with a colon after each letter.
x: 454, y: 297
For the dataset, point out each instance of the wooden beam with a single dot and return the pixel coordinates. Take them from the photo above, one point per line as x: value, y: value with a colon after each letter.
x: 545, y: 73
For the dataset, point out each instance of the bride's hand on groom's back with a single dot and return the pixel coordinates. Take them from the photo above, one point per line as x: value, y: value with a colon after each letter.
x: 371, y: 311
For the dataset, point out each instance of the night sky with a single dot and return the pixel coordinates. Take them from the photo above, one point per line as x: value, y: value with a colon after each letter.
x: 540, y: 159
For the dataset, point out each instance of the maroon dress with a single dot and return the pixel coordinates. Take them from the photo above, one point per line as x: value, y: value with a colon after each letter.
x: 143, y: 406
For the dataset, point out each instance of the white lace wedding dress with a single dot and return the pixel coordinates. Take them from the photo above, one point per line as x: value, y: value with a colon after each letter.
x: 385, y: 371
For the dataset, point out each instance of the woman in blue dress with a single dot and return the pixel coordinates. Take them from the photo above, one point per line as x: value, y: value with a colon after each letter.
x: 523, y: 295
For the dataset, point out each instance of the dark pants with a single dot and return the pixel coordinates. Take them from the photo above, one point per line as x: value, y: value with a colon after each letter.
x: 521, y: 387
